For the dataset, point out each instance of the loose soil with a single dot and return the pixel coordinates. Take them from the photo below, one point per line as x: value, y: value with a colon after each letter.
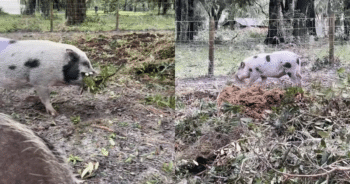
x: 131, y: 140
x: 254, y: 100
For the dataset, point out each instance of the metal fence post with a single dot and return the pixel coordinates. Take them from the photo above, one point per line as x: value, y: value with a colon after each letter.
x: 211, y: 46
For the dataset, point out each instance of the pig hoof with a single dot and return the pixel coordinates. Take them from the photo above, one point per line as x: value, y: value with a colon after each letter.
x: 53, y: 113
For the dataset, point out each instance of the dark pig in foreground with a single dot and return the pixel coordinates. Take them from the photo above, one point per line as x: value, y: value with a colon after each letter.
x: 25, y: 158
x: 40, y: 64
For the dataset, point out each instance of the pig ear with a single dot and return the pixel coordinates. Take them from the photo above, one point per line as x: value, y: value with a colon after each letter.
x: 74, y: 57
x: 242, y: 65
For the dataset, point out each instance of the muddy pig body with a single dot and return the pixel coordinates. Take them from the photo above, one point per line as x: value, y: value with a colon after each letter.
x: 26, y: 158
x: 275, y: 65
x: 40, y: 64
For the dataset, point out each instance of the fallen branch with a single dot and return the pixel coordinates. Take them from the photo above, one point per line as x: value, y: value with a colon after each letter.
x: 103, y: 128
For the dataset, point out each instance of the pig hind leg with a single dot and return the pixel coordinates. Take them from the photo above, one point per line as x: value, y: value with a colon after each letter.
x: 44, y: 95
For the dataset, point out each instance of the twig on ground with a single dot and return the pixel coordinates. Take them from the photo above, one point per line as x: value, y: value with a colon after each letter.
x: 103, y: 127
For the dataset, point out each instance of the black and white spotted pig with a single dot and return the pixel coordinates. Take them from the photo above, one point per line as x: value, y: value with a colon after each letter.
x: 40, y: 64
x: 275, y: 65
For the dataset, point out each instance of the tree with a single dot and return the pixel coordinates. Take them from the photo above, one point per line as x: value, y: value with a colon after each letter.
x: 304, y: 18
x: 166, y: 4
x: 276, y: 33
x: 215, y: 8
x: 188, y: 19
x: 75, y: 12
x: 162, y: 4
x: 182, y: 19
x: 29, y: 7
x: 347, y: 19
x: 45, y: 7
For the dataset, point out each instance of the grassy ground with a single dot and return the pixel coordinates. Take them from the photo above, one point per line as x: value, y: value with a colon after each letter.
x: 93, y: 22
x: 192, y: 58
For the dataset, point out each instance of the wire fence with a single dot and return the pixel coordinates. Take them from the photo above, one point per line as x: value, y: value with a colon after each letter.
x: 235, y: 40
x: 48, y: 15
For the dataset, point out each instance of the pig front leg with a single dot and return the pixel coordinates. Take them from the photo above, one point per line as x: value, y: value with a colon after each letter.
x: 44, y: 95
x: 253, y: 77
x: 263, y: 81
x: 295, y: 77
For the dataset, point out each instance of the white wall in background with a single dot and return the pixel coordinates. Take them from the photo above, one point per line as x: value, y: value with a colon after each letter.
x: 11, y: 6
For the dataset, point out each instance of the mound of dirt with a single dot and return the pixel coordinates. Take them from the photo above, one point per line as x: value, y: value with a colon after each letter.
x: 254, y: 99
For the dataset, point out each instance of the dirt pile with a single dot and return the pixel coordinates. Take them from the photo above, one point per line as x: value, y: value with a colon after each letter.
x: 255, y: 100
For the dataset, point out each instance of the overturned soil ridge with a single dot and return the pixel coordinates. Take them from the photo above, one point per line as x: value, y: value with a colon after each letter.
x: 255, y: 100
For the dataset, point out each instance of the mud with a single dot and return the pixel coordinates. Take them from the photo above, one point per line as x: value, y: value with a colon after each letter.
x: 255, y: 100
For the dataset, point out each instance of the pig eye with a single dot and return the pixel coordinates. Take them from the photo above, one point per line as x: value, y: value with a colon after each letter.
x: 85, y: 63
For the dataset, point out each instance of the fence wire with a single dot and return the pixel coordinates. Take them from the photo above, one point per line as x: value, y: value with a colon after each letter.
x: 235, y: 43
x: 87, y: 17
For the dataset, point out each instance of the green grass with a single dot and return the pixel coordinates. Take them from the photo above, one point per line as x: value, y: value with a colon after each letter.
x: 192, y: 60
x: 94, y: 22
x: 340, y: 51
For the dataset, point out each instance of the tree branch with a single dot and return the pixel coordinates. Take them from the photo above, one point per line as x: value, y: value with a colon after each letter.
x: 261, y: 8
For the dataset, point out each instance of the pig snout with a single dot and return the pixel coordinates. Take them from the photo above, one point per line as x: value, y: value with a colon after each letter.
x: 237, y: 78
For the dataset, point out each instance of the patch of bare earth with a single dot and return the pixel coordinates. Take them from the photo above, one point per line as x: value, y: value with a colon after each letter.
x: 132, y: 141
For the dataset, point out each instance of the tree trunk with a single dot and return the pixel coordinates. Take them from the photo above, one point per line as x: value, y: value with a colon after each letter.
x: 159, y: 6
x: 126, y: 2
x: 184, y: 18
x: 29, y: 7
x: 45, y: 7
x: 178, y: 19
x: 347, y: 19
x: 211, y: 46
x: 76, y: 12
x: 275, y: 34
x: 217, y: 15
x: 135, y: 6
x: 288, y: 10
x: 166, y: 6
x: 190, y: 18
x: 311, y: 23
x: 304, y: 18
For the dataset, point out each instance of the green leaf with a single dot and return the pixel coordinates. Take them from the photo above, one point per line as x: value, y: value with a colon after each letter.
x: 323, y: 134
x: 323, y: 143
x: 246, y: 120
x: 89, y: 169
x: 128, y: 160
x: 104, y: 152
x: 341, y: 70
x: 96, y: 165
x: 111, y: 141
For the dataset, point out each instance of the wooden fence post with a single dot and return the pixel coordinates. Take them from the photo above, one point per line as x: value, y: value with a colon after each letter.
x: 211, y: 46
x: 331, y: 36
x: 117, y: 23
x: 51, y: 16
